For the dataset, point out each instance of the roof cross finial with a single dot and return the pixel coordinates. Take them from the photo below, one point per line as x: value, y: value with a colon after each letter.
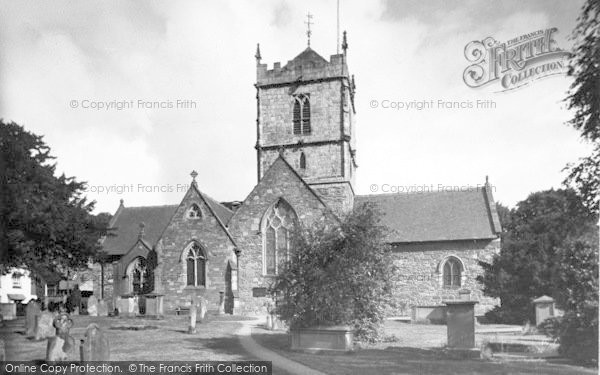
x: 194, y: 174
x: 308, y: 23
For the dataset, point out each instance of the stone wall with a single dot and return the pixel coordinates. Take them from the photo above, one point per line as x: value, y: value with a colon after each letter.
x: 280, y: 182
x: 419, y: 280
x: 214, y: 241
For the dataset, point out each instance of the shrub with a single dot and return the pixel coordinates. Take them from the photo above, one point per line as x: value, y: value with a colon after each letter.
x: 338, y: 275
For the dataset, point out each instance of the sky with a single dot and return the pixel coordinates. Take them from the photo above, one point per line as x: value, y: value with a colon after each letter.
x: 58, y: 59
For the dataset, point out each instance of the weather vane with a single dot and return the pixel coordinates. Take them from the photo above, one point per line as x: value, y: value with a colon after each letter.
x: 308, y: 23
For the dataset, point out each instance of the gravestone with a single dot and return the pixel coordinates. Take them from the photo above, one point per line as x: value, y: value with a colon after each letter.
x: 8, y: 311
x: 460, y: 321
x: 92, y: 306
x: 221, y: 303
x: 154, y: 305
x: 123, y: 306
x: 544, y: 308
x: 95, y: 346
x: 193, y: 314
x: 203, y: 305
x: 44, y: 327
x: 134, y: 306
x: 62, y: 347
x: 102, y: 308
x: 31, y: 311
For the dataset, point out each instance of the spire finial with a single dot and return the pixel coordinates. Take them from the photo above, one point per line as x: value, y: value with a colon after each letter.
x: 194, y: 174
x: 344, y: 43
x: 308, y: 23
x: 257, y: 56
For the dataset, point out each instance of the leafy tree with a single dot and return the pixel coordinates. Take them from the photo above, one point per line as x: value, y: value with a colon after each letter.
x: 584, y: 99
x: 530, y: 258
x: 577, y: 283
x: 45, y: 221
x: 338, y: 274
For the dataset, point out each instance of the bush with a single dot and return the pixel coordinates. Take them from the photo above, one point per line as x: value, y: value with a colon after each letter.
x: 578, y: 278
x: 338, y: 275
x: 550, y: 327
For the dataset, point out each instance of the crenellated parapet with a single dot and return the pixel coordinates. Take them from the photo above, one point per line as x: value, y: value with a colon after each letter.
x: 306, y: 67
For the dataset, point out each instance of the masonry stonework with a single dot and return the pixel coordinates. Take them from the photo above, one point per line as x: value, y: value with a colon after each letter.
x: 419, y: 280
x: 217, y: 247
x: 314, y: 174
x: 280, y: 182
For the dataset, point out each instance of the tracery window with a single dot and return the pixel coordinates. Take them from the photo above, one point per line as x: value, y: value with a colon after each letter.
x: 278, y: 226
x: 196, y: 266
x: 452, y: 273
x: 301, y: 114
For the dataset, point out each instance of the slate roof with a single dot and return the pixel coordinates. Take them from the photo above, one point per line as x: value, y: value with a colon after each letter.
x: 155, y: 218
x: 437, y: 216
x: 308, y: 55
x: 127, y: 226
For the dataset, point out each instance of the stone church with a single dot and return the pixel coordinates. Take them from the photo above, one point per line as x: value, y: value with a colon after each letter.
x: 229, y: 252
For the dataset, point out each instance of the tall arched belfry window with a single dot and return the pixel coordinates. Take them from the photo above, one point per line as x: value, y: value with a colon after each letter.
x: 195, y: 266
x: 278, y: 225
x: 301, y: 114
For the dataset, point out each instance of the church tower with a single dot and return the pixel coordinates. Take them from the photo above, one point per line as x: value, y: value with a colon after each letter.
x: 305, y: 112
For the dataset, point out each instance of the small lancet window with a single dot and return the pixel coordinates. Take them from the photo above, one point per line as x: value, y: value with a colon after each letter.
x: 302, y: 161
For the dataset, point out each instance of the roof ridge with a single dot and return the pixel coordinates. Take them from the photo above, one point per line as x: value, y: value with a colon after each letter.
x: 475, y: 190
x: 153, y: 206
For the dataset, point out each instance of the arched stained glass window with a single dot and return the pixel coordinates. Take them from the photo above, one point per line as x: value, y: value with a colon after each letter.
x: 195, y: 266
x: 452, y: 273
x: 278, y: 224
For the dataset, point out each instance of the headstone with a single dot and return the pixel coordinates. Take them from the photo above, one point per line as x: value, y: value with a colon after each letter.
x: 544, y: 308
x: 62, y: 347
x: 8, y: 311
x: 31, y: 311
x: 95, y: 346
x: 134, y: 306
x: 154, y: 305
x: 221, y: 303
x: 460, y: 320
x: 193, y: 314
x: 202, y: 308
x: 92, y: 306
x: 44, y: 327
x: 102, y: 308
x: 123, y: 306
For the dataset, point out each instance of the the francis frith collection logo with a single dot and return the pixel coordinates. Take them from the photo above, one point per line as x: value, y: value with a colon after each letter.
x: 515, y: 63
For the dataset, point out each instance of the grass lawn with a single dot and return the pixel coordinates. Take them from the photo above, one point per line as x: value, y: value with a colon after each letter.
x: 417, y: 351
x: 142, y: 339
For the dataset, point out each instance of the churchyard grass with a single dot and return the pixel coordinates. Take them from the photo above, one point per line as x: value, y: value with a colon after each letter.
x: 417, y: 349
x: 142, y: 339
